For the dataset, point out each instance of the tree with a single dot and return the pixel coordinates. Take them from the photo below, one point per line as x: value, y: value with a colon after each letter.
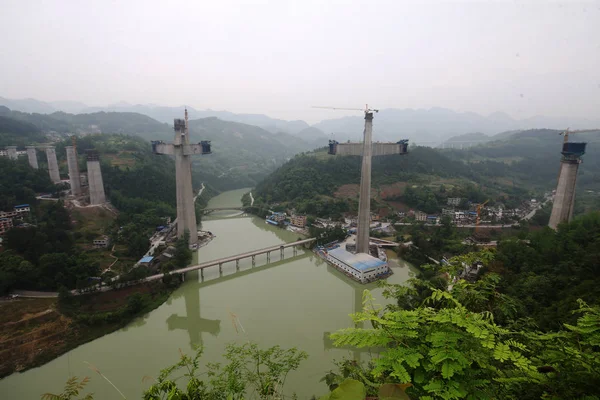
x: 183, y: 254
x: 248, y: 368
x: 444, y: 350
x: 137, y: 245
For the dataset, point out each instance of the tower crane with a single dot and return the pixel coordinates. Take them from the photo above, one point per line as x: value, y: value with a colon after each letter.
x: 365, y: 110
x: 567, y: 132
x: 479, y: 207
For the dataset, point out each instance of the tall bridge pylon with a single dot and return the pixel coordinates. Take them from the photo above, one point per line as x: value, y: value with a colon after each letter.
x: 183, y: 150
x: 367, y: 149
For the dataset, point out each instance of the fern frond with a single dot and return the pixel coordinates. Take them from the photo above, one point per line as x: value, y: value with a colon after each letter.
x: 360, y: 337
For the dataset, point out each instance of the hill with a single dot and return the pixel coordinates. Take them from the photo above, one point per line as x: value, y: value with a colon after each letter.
x: 166, y: 114
x: 28, y: 105
x: 163, y: 114
x: 506, y: 171
x: 468, y: 138
x: 111, y: 122
x: 532, y: 159
x: 325, y: 185
x: 242, y: 154
x: 18, y: 133
x: 313, y: 134
x: 423, y: 126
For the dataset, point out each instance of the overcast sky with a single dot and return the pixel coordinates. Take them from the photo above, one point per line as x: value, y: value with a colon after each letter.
x: 281, y: 57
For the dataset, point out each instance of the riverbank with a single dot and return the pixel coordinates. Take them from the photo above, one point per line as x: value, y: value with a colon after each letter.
x: 266, y: 299
x: 36, y: 331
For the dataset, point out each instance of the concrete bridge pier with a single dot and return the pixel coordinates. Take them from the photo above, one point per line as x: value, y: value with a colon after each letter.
x: 237, y: 264
x: 253, y: 261
x: 281, y: 252
x: 74, y: 175
x: 220, y: 269
x: 268, y: 257
x: 32, y: 156
x: 295, y: 250
x: 201, y: 275
x: 52, y: 164
x: 12, y: 152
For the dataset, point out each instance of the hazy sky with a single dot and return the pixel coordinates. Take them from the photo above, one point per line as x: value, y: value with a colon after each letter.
x: 282, y: 57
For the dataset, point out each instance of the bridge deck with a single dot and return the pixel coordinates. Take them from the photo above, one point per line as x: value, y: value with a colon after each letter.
x: 224, y: 208
x: 231, y: 258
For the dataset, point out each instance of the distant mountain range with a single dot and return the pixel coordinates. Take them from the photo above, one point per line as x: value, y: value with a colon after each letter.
x: 422, y: 126
x: 435, y: 125
x: 243, y: 154
x: 159, y: 113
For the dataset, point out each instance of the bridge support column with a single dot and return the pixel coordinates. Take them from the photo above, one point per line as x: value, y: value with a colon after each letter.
x: 220, y: 269
x: 202, y: 275
x: 237, y: 264
x: 253, y: 261
x: 182, y: 277
x: 268, y: 256
x: 295, y: 250
x: 281, y: 252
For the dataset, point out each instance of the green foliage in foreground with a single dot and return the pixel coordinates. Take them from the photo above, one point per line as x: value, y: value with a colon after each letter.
x: 73, y: 387
x: 352, y: 389
x: 465, y: 341
x: 249, y: 371
x: 555, y: 269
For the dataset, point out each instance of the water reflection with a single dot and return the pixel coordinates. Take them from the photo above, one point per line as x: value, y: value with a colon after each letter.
x: 357, y: 289
x: 282, y: 234
x: 192, y: 321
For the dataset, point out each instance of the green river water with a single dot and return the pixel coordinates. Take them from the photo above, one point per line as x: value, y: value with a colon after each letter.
x: 294, y: 302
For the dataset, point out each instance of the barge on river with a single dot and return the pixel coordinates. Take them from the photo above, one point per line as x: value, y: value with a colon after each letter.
x: 360, y: 267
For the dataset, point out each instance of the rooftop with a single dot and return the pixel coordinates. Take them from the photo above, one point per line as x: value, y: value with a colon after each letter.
x: 146, y: 259
x: 361, y: 261
x: 22, y: 205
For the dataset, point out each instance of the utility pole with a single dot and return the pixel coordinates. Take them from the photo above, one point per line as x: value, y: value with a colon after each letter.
x: 367, y: 150
x: 183, y: 150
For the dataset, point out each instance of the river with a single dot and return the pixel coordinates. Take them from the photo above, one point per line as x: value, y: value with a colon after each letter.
x: 294, y: 302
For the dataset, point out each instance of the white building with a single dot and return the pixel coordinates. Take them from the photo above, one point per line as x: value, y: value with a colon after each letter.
x: 454, y: 201
x: 360, y: 267
x: 420, y: 216
x: 22, y: 208
x: 101, y: 242
x: 460, y: 216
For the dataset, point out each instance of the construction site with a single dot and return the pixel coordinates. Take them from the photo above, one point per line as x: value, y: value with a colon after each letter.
x: 85, y: 188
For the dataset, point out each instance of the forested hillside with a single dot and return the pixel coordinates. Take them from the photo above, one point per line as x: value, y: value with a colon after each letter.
x: 532, y: 159
x: 19, y: 183
x: 424, y: 178
x: 525, y: 327
x: 54, y: 250
x: 508, y: 171
x: 111, y: 122
x: 17, y: 133
x: 242, y: 154
x: 533, y: 156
